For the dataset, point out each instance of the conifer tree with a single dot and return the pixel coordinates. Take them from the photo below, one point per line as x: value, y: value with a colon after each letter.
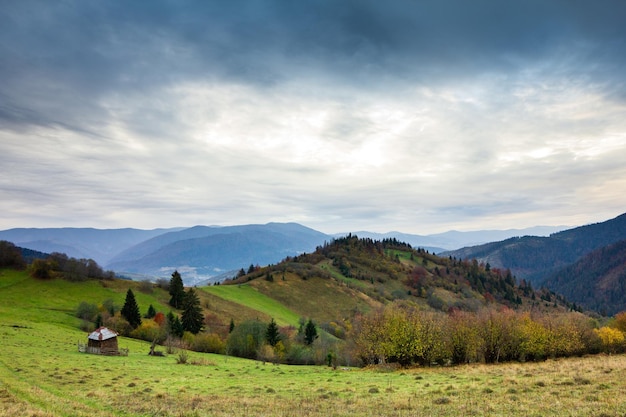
x: 130, y: 311
x: 177, y: 290
x: 310, y: 332
x: 192, y: 317
x: 272, y: 334
x: 175, y: 327
x: 151, y: 312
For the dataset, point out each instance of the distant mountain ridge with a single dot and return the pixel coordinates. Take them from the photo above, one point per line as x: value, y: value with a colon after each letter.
x: 203, y: 252
x: 453, y: 239
x: 211, y: 252
x: 534, y: 258
x: 98, y: 244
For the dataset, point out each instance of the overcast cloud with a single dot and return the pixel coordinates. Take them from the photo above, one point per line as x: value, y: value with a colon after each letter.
x: 417, y: 116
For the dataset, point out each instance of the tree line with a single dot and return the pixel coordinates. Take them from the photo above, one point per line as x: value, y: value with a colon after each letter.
x: 402, y: 333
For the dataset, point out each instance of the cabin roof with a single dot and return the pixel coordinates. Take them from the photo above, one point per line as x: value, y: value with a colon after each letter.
x: 102, y: 333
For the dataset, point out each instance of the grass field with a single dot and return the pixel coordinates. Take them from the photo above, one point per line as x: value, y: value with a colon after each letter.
x: 252, y: 298
x: 42, y: 374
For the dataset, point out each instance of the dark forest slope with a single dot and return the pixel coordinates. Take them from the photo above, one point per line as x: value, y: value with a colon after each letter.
x: 597, y: 281
x: 535, y: 258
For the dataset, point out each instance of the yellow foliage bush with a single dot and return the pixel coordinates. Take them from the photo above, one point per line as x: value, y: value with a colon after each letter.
x: 612, y: 339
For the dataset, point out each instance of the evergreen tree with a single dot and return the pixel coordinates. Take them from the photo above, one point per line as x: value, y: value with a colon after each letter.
x: 310, y: 332
x: 272, y: 334
x: 175, y: 327
x: 192, y: 317
x: 151, y: 312
x: 177, y: 290
x: 130, y: 311
x: 232, y: 326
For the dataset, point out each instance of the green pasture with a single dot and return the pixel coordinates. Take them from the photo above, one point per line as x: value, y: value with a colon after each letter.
x: 249, y: 296
x: 42, y: 374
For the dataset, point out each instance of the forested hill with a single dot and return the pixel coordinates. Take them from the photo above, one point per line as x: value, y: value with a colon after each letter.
x: 535, y: 258
x: 597, y: 281
x: 390, y: 270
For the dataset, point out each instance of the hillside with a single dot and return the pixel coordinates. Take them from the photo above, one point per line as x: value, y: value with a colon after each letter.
x: 383, y: 271
x: 597, y: 281
x: 43, y: 374
x: 534, y: 258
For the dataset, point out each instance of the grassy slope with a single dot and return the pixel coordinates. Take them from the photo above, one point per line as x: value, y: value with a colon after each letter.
x: 42, y: 374
x: 253, y: 299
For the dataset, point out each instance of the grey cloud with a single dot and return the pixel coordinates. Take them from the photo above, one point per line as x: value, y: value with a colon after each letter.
x: 94, y: 87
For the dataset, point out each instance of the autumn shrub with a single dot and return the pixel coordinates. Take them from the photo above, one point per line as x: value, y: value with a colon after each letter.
x: 208, y: 343
x: 464, y: 340
x: 612, y: 339
x: 533, y: 339
x: 119, y: 324
x: 148, y: 330
x: 266, y: 353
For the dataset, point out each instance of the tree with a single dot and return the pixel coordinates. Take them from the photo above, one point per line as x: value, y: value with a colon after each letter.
x: 231, y: 327
x: 310, y: 332
x: 175, y: 327
x: 272, y: 334
x: 246, y: 339
x: 130, y: 311
x: 11, y: 255
x: 41, y: 268
x: 151, y: 312
x: 177, y: 290
x: 192, y: 317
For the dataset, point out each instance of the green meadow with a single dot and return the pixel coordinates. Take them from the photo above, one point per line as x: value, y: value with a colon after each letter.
x: 43, y: 374
x: 252, y: 298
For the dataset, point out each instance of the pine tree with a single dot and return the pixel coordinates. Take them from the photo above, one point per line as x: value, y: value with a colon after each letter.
x: 177, y: 290
x: 232, y: 326
x: 151, y: 312
x: 310, y: 332
x: 192, y: 317
x: 175, y: 327
x: 272, y: 334
x: 130, y: 311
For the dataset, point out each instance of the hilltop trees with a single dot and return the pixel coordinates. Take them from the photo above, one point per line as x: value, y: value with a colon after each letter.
x: 10, y: 255
x: 59, y: 265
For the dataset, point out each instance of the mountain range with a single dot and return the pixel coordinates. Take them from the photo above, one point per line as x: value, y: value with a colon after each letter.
x: 214, y: 252
x: 587, y: 264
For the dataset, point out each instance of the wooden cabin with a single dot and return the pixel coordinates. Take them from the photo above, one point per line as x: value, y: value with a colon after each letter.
x: 102, y: 341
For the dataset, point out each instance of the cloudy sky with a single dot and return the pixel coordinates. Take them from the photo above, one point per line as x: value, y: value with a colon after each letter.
x: 342, y: 115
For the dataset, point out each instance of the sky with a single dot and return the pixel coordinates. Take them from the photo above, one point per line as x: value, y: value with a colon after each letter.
x: 342, y: 115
